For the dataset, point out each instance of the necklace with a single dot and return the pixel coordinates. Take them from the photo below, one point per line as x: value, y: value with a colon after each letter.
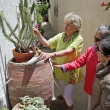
x: 67, y: 42
x: 66, y: 39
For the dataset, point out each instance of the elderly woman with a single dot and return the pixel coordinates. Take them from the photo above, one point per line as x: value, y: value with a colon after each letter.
x: 68, y: 45
x: 101, y: 86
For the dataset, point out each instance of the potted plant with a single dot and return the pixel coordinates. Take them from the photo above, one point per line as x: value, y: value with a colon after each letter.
x: 39, y: 22
x: 29, y: 103
x: 29, y: 77
x: 43, y: 9
x: 23, y: 41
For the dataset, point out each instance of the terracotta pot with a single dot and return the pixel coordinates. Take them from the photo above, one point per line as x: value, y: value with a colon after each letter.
x: 45, y: 18
x: 22, y: 57
x: 36, y: 81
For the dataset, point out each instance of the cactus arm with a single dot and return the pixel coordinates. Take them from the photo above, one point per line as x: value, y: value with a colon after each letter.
x: 23, y: 39
x: 16, y: 27
x: 32, y: 8
x: 25, y: 14
x: 8, y: 25
x: 6, y: 35
x: 25, y: 32
x: 22, y: 16
x: 26, y: 3
x: 30, y: 25
x: 25, y: 35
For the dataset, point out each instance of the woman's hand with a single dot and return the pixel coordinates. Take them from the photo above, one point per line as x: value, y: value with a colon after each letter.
x: 43, y: 41
x: 55, y: 64
x: 36, y: 32
x: 39, y: 44
x: 45, y: 56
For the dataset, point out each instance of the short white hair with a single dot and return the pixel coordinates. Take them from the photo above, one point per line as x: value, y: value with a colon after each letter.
x: 75, y: 19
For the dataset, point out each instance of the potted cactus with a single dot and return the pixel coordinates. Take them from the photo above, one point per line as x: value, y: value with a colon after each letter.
x: 23, y: 41
x: 31, y: 77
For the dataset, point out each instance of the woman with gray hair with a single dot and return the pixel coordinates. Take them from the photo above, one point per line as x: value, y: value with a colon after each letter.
x: 101, y: 87
x: 68, y: 45
x: 90, y: 59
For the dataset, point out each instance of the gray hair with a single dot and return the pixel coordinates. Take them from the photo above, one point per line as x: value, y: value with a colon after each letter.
x: 105, y: 45
x: 75, y: 19
x: 104, y: 31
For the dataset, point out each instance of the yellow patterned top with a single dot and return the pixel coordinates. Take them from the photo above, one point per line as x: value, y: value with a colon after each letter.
x: 75, y: 42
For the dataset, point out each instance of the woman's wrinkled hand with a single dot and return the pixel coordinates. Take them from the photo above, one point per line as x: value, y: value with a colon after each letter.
x: 36, y: 32
x: 55, y: 64
x: 45, y: 56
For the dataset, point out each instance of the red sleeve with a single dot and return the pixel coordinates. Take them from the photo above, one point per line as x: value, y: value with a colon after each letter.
x: 81, y: 61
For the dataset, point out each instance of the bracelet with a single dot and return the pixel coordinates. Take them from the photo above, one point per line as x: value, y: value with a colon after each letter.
x: 54, y: 54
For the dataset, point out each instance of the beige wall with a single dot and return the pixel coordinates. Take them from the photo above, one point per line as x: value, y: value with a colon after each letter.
x: 91, y: 12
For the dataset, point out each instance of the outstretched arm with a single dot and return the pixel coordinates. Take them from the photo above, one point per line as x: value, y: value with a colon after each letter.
x: 41, y: 38
x: 45, y: 56
x: 81, y: 61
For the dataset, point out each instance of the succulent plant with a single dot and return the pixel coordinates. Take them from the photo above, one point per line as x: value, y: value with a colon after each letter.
x: 29, y: 103
x: 24, y: 39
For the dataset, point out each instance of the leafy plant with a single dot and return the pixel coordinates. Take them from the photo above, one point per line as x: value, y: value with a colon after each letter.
x: 24, y: 39
x: 42, y: 9
x: 39, y: 22
x: 29, y: 103
x: 41, y: 30
x: 39, y: 18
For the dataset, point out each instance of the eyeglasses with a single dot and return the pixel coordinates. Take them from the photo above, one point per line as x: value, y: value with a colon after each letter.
x: 99, y: 52
x: 96, y: 39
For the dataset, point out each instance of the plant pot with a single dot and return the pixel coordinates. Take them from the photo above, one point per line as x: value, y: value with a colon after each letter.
x: 18, y: 105
x: 22, y: 57
x: 45, y: 18
x: 35, y: 81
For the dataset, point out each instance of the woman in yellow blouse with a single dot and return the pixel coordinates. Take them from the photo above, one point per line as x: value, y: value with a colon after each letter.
x: 68, y: 45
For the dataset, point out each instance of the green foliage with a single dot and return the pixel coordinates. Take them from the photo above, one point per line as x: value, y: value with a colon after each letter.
x: 42, y: 9
x: 23, y: 40
x: 41, y: 30
x: 107, y: 6
x: 39, y: 18
x: 5, y: 109
x: 29, y: 103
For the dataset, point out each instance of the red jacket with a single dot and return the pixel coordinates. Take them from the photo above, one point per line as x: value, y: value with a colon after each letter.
x: 90, y: 59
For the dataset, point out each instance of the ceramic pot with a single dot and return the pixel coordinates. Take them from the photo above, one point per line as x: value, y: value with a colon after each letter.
x: 36, y: 81
x: 22, y: 57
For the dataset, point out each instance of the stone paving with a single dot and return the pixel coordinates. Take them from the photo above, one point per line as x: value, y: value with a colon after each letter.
x: 79, y: 96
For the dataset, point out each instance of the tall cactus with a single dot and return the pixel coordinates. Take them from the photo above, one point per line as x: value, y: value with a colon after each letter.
x: 24, y: 39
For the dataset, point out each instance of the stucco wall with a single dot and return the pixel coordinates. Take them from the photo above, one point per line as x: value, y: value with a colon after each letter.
x: 91, y: 12
x: 9, y: 8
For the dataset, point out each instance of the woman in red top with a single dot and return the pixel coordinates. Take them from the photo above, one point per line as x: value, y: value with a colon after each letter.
x: 90, y: 59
